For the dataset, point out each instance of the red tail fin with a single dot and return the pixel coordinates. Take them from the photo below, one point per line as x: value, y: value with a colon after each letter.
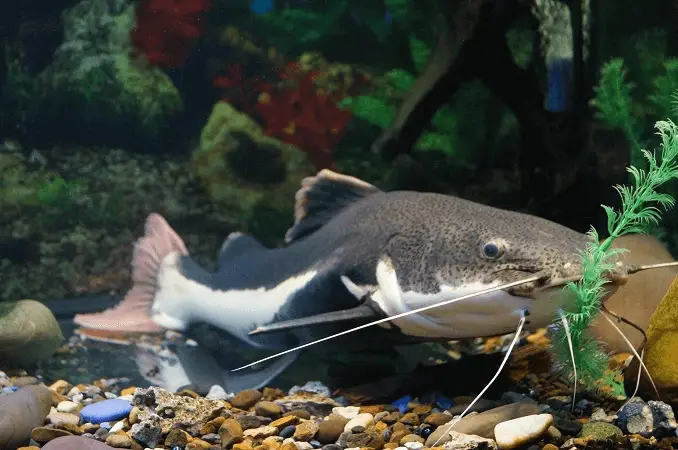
x: 131, y: 314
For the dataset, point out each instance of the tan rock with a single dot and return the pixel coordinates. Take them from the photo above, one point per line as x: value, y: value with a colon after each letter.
x: 306, y: 430
x: 518, y: 432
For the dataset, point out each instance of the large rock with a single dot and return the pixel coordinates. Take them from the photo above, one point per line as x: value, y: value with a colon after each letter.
x: 29, y: 333
x: 20, y: 413
x: 248, y: 175
x: 638, y: 299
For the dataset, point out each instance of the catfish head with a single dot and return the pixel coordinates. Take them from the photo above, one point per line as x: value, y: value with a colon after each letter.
x: 488, y: 248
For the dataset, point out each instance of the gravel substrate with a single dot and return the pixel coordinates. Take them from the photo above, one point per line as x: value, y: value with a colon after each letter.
x: 104, y: 415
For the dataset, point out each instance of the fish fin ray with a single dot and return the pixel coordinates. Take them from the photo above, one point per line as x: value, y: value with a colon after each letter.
x: 132, y: 313
x: 322, y: 197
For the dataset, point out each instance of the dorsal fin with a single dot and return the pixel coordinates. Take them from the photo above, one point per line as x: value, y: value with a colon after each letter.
x: 321, y: 197
x: 235, y: 245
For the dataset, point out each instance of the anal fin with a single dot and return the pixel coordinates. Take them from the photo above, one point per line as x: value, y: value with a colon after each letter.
x: 322, y: 197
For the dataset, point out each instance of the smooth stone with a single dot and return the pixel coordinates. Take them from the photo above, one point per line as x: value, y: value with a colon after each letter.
x: 483, y: 424
x: 217, y: 392
x: 29, y: 333
x: 267, y: 409
x: 44, y: 434
x: 67, y: 406
x: 361, y: 420
x: 518, y: 432
x: 75, y: 443
x: 106, y: 410
x: 119, y: 441
x: 21, y: 412
x: 288, y: 431
x: 330, y: 430
x: 480, y: 406
x: 246, y: 399
x: 58, y: 418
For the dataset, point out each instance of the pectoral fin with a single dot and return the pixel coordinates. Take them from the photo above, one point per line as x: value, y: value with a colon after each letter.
x: 359, y: 312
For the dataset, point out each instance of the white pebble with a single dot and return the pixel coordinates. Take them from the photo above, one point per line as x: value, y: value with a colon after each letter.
x: 117, y: 427
x: 348, y: 412
x: 217, y: 393
x: 110, y: 395
x: 413, y: 445
x: 74, y: 391
x: 67, y: 406
x: 401, y: 448
x: 361, y: 420
x: 518, y: 432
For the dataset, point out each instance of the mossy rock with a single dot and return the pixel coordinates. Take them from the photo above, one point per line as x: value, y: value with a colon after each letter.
x: 29, y: 333
x: 600, y: 431
x: 249, y: 177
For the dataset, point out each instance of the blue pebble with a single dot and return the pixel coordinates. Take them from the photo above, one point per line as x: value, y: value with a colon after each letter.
x: 444, y: 402
x: 9, y: 390
x: 316, y: 444
x: 106, y: 410
x: 402, y: 402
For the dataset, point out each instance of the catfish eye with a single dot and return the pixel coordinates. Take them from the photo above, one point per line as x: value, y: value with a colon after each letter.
x: 493, y: 250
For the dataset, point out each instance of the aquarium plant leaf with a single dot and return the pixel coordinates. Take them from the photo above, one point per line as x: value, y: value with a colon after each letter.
x: 400, y: 10
x: 613, y: 102
x: 370, y: 109
x: 665, y: 87
x: 419, y: 52
x: 641, y: 206
x: 400, y: 79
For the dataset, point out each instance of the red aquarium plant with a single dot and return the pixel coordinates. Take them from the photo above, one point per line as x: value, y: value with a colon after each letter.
x: 166, y: 30
x: 293, y: 110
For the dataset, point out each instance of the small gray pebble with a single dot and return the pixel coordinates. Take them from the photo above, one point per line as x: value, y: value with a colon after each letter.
x: 212, y: 438
x: 331, y: 447
x: 316, y: 444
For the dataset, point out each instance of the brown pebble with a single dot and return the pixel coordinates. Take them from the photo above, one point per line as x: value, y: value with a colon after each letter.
x: 422, y: 409
x: 438, y: 419
x: 272, y: 443
x: 177, y: 437
x: 410, y: 419
x: 365, y: 439
x: 212, y: 426
x: 300, y: 413
x: 550, y: 447
x: 330, y: 430
x: 285, y: 422
x: 272, y: 394
x: 29, y: 448
x: 267, y: 409
x: 398, y: 435
x: 411, y: 438
x: 306, y: 430
x: 246, y: 399
x: 60, y: 387
x: 289, y: 445
x: 128, y: 390
x: 380, y: 426
x: 242, y: 446
x: 73, y: 429
x: 231, y: 433
x: 198, y: 444
x: 371, y: 409
x: 188, y: 393
x: 391, y: 445
x: 392, y: 417
x: 44, y: 434
x: 119, y: 441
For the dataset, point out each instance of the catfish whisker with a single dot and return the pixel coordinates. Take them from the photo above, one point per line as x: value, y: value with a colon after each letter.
x: 523, y: 316
x: 633, y: 350
x: 566, y: 326
x: 642, y: 351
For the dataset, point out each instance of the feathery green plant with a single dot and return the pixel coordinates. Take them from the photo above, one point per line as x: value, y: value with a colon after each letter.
x: 640, y: 207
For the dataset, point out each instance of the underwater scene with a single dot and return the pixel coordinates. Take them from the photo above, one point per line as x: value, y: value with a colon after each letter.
x: 315, y: 224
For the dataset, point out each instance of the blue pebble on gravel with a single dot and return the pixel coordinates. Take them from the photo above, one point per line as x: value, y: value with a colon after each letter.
x: 9, y: 390
x: 444, y: 402
x: 106, y: 410
x: 402, y: 402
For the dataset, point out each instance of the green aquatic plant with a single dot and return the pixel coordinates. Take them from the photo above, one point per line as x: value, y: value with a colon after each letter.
x: 640, y: 206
